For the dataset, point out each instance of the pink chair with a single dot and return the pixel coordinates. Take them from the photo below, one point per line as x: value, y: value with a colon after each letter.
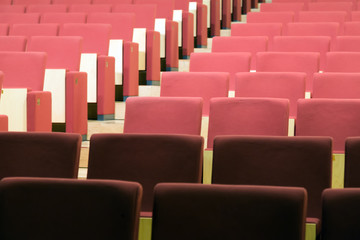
x: 13, y: 43
x: 62, y: 18
x: 3, y: 118
x: 69, y: 111
x: 112, y: 1
x: 354, y: 2
x: 70, y: 2
x: 12, y: 8
x: 221, y: 62
x: 4, y: 29
x: 324, y: 17
x: 337, y: 118
x: 170, y: 115
x: 252, y: 44
x: 99, y: 66
x: 288, y: 85
x: 258, y: 29
x: 270, y: 17
x: 5, y: 2
x: 24, y: 81
x: 332, y: 6
x: 307, y: 62
x: 90, y: 8
x: 346, y: 44
x: 247, y: 116
x: 33, y: 29
x: 352, y: 28
x: 13, y: 18
x: 47, y: 8
x: 294, y: 7
x: 342, y: 62
x: 27, y: 2
x: 355, y: 16
x: 195, y: 84
x: 320, y: 44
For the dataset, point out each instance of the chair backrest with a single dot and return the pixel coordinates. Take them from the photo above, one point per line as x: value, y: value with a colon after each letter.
x: 58, y: 208
x: 12, y: 18
x: 4, y: 29
x: 249, y: 212
x: 112, y: 1
x: 340, y: 214
x: 70, y: 2
x: 144, y: 14
x: 288, y: 85
x: 206, y: 85
x: 323, y: 16
x: 307, y: 62
x: 337, y: 118
x: 47, y: 8
x: 248, y: 116
x: 164, y: 8
x: 12, y: 8
x: 352, y: 163
x: 26, y: 154
x: 270, y: 17
x: 62, y: 18
x: 352, y: 28
x: 275, y: 161
x: 342, y: 62
x: 346, y: 44
x: 23, y: 69
x: 252, y: 44
x: 355, y: 16
x: 5, y: 2
x: 282, y: 7
x: 175, y: 115
x: 27, y: 2
x: 34, y: 29
x: 231, y: 62
x: 332, y: 6
x: 66, y: 54
x: 336, y: 85
x: 90, y: 8
x: 12, y: 43
x: 146, y: 158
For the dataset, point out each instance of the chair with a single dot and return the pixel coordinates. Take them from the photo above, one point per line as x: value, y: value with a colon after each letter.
x: 53, y: 208
x: 13, y: 18
x: 175, y: 115
x: 112, y: 1
x: 34, y: 29
x: 346, y: 44
x: 355, y: 16
x: 62, y: 18
x: 294, y: 7
x: 352, y: 162
x: 173, y: 158
x: 67, y: 85
x: 12, y: 8
x: 27, y: 154
x: 288, y: 85
x: 276, y: 161
x: 228, y: 212
x: 320, y: 44
x: 47, y: 8
x: 270, y: 17
x: 23, y: 100
x: 342, y: 62
x: 332, y: 6
x: 351, y: 28
x: 340, y: 214
x: 354, y: 2
x: 195, y: 84
x: 3, y: 118
x: 13, y: 43
x: 27, y: 2
x: 307, y: 62
x: 221, y: 62
x: 70, y: 2
x: 247, y: 116
x: 90, y: 8
x: 4, y: 29
x: 5, y: 2
x: 252, y: 44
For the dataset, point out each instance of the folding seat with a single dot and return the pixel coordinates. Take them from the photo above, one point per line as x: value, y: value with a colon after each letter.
x: 228, y: 212
x: 53, y: 208
x: 13, y: 43
x: 62, y: 18
x: 90, y: 8
x: 270, y: 17
x: 323, y: 17
x: 70, y: 2
x: 13, y: 18
x: 39, y: 154
x: 27, y: 2
x: 320, y: 44
x: 62, y: 77
x: 195, y: 84
x: 332, y: 6
x: 258, y: 29
x: 231, y: 62
x: 346, y: 44
x: 47, y: 8
x: 276, y: 161
x: 23, y: 100
x: 12, y: 8
x: 352, y: 162
x: 354, y: 2
x: 34, y: 29
x: 120, y: 46
x: 340, y: 214
x: 3, y: 118
x: 4, y: 29
x: 294, y: 7
x: 252, y: 44
x: 342, y: 62
x: 170, y: 115
x: 100, y: 67
x: 352, y: 28
x: 307, y: 62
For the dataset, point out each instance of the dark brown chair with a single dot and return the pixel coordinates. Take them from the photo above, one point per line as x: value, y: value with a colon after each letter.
x: 352, y: 163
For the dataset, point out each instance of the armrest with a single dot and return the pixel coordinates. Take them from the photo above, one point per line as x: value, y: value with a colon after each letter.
x: 215, y: 18
x: 4, y: 123
x: 187, y: 34
x: 226, y: 14
x: 171, y: 51
x: 38, y: 105
x: 152, y: 55
x: 105, y: 86
x: 76, y: 102
x: 131, y: 69
x: 201, y: 26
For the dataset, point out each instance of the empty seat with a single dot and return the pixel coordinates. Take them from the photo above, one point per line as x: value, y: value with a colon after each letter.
x: 12, y: 18
x: 39, y: 154
x: 70, y: 2
x: 195, y: 84
x: 146, y: 158
x: 323, y: 16
x: 4, y: 29
x: 270, y: 17
x: 342, y: 62
x: 12, y: 43
x: 12, y: 8
x: 332, y: 6
x: 112, y: 1
x: 355, y: 16
x: 47, y: 8
x: 26, y: 2
x: 62, y: 18
x: 352, y: 28
x: 228, y: 212
x: 48, y: 208
x: 346, y: 44
x: 352, y: 154
x: 5, y: 2
x: 90, y: 8
x: 28, y: 30
x: 294, y: 7
x: 3, y: 118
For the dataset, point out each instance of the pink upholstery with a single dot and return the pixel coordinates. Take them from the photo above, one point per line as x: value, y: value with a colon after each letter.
x: 61, y: 18
x: 355, y: 16
x: 179, y: 115
x: 320, y: 44
x: 332, y: 6
x: 3, y: 118
x: 144, y: 14
x: 294, y: 7
x: 12, y: 43
x: 27, y: 2
x: 112, y: 1
x: 270, y: 17
x: 4, y: 29
x: 195, y: 84
x: 346, y: 44
x: 247, y: 116
x: 70, y: 2
x: 27, y: 70
x: 12, y: 18
x: 5, y: 2
x: 337, y: 118
x: 342, y: 62
x: 28, y: 30
x: 12, y: 8
x: 258, y: 29
x: 164, y: 7
x: 288, y: 85
x: 336, y: 85
x: 221, y: 62
x: 354, y: 2
x: 324, y: 17
x: 307, y: 62
x: 47, y: 8
x: 90, y: 8
x: 252, y: 44
x: 352, y: 28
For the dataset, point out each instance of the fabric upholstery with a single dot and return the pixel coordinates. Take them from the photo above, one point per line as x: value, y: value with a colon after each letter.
x: 13, y: 43
x: 13, y: 18
x: 352, y: 164
x: 4, y: 29
x: 62, y: 18
x: 342, y: 62
x: 270, y: 17
x: 346, y: 44
x: 90, y: 8
x: 34, y: 29
x: 46, y: 8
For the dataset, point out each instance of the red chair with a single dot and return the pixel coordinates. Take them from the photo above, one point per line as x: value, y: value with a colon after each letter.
x: 29, y: 30
x: 294, y: 7
x: 4, y: 29
x: 90, y: 8
x: 47, y: 8
x: 355, y: 16
x: 62, y: 18
x: 5, y: 2
x: 324, y: 17
x: 13, y: 18
x: 3, y: 118
x: 112, y: 1
x: 342, y: 62
x: 270, y: 17
x: 12, y: 8
x: 70, y: 2
x: 13, y: 43
x: 332, y: 6
x: 27, y: 2
x: 346, y: 44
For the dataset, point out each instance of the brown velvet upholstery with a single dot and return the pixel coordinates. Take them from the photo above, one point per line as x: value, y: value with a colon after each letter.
x: 352, y: 162
x: 29, y: 154
x: 341, y: 213
x: 147, y: 159
x: 44, y: 208
x: 195, y: 211
x: 279, y: 161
